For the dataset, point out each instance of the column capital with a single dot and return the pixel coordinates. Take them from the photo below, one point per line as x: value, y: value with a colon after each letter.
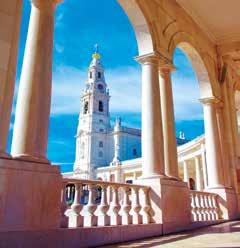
x: 45, y: 3
x: 156, y: 58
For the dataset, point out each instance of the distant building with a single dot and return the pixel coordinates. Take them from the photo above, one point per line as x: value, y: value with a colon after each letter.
x: 98, y: 144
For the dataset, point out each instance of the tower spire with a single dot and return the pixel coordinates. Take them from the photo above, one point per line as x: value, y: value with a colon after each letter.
x: 96, y: 54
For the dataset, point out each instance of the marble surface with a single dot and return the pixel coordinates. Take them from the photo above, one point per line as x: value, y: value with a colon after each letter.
x: 225, y: 235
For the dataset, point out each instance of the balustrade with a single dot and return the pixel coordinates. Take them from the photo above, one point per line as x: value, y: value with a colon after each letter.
x: 129, y: 203
x: 204, y: 206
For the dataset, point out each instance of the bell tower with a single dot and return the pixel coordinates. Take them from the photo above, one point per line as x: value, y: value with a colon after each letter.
x: 94, y: 122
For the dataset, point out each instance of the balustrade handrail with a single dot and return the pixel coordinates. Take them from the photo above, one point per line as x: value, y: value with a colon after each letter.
x: 99, y: 182
x: 202, y: 193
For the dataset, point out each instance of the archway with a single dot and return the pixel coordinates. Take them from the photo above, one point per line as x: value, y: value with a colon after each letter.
x: 144, y: 40
x: 189, y: 86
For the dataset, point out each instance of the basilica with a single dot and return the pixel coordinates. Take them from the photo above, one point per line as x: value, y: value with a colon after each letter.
x: 98, y: 144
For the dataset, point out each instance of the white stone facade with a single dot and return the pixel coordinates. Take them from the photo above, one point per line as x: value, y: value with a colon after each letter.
x: 97, y: 143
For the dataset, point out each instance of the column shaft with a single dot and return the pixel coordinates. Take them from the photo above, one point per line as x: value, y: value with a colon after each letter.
x: 169, y: 136
x: 204, y: 166
x: 7, y: 75
x: 152, y: 137
x: 214, y: 163
x: 185, y: 172
x: 34, y: 97
x: 199, y: 182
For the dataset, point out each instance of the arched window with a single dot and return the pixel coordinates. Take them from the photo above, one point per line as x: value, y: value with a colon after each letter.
x: 99, y: 74
x: 100, y: 106
x: 100, y: 154
x: 85, y: 111
x: 90, y: 74
x: 100, y: 144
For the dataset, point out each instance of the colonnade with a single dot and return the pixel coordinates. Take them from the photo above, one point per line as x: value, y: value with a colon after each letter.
x: 198, y: 170
x: 159, y: 153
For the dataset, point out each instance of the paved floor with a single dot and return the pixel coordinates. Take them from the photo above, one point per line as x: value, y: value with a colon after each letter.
x: 225, y: 235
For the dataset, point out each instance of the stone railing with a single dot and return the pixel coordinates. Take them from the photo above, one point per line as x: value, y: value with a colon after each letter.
x: 87, y: 203
x: 204, y: 206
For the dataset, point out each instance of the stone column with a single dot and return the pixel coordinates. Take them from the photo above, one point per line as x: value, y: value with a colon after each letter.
x: 185, y: 172
x: 9, y: 40
x: 212, y: 143
x: 199, y: 180
x: 30, y: 135
x: 169, y: 136
x: 204, y: 166
x: 152, y: 136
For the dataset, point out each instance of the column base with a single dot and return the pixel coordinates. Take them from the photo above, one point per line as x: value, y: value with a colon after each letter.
x: 228, y: 202
x: 29, y: 158
x: 30, y: 195
x: 170, y: 202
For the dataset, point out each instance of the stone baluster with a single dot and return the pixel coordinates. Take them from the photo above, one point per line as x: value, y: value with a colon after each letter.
x: 113, y: 211
x: 202, y: 204
x: 211, y: 212
x: 136, y: 207
x: 75, y: 218
x: 193, y: 207
x: 145, y: 210
x: 89, y: 209
x: 101, y: 212
x: 64, y: 206
x: 126, y: 207
x: 207, y: 207
x: 198, y: 208
x: 215, y: 208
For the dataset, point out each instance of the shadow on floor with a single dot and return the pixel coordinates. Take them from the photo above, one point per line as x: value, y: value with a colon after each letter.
x: 225, y: 235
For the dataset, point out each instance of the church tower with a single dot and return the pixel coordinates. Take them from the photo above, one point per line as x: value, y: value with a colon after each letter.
x: 94, y: 122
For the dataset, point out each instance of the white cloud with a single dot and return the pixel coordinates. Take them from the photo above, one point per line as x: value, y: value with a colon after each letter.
x: 125, y: 90
x: 68, y: 83
x: 186, y: 95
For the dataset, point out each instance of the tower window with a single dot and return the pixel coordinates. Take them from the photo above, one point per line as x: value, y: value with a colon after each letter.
x: 85, y: 110
x: 100, y: 144
x: 100, y: 86
x: 134, y: 152
x: 90, y: 75
x: 99, y: 74
x: 100, y: 106
x: 100, y: 154
x: 101, y: 121
x: 101, y: 130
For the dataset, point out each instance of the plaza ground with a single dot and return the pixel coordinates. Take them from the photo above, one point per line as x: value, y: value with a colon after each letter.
x: 225, y: 235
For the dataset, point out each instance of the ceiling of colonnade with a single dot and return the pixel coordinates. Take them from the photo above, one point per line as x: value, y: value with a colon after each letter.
x: 220, y: 20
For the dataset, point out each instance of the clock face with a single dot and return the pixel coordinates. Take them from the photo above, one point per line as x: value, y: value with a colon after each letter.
x: 100, y: 86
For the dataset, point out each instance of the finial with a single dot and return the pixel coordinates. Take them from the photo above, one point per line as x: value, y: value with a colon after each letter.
x: 96, y: 55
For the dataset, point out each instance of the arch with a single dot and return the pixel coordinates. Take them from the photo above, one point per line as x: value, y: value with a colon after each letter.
x: 140, y: 25
x: 202, y: 64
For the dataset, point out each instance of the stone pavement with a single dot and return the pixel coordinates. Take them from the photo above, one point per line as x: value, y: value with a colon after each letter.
x: 225, y: 235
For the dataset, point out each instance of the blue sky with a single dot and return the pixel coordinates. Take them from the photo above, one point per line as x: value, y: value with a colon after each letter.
x: 79, y: 24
